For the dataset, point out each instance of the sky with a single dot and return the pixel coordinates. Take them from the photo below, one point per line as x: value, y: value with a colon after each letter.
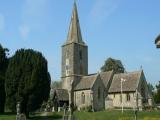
x: 121, y: 29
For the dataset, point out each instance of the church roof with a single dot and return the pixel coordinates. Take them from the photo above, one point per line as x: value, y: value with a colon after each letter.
x: 86, y: 82
x: 61, y: 94
x: 130, y: 84
x: 74, y: 34
x: 106, y: 77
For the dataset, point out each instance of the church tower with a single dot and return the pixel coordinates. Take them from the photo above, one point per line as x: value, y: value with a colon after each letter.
x: 74, y: 54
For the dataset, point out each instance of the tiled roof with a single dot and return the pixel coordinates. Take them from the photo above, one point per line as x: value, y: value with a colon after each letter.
x: 61, y: 94
x: 106, y: 77
x: 86, y: 82
x: 130, y: 84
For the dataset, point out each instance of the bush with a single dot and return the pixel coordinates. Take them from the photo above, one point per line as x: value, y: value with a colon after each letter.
x: 89, y: 108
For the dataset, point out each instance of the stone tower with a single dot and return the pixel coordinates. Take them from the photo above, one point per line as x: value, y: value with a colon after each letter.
x: 74, y: 54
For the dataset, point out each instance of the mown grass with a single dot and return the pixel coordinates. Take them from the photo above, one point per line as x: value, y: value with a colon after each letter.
x: 8, y: 116
x: 117, y: 115
x: 103, y: 115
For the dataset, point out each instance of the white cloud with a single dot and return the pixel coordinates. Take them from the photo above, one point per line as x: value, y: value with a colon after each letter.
x: 102, y: 9
x: 2, y: 22
x: 24, y: 31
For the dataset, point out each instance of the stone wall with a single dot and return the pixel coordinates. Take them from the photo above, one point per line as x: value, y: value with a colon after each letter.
x: 74, y: 63
x: 94, y: 97
x: 98, y: 97
x: 78, y: 98
x: 116, y: 98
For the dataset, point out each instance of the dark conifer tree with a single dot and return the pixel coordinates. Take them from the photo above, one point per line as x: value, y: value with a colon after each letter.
x: 27, y: 80
x: 3, y: 67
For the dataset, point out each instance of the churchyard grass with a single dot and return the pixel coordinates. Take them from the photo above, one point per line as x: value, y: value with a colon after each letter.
x: 103, y: 115
x: 8, y: 116
x: 117, y: 115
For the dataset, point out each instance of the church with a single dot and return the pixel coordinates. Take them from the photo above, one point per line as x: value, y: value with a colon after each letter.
x: 103, y: 90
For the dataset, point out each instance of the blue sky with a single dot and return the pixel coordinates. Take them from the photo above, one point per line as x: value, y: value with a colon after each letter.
x: 122, y: 29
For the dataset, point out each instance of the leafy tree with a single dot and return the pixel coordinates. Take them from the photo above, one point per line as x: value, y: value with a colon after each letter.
x: 150, y: 87
x: 157, y: 94
x: 113, y: 64
x: 27, y: 81
x: 56, y: 85
x: 3, y: 67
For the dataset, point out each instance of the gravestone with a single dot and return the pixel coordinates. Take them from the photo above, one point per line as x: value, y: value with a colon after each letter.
x: 70, y: 115
x: 19, y: 115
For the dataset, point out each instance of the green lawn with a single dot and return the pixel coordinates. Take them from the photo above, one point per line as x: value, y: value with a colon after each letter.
x: 8, y: 116
x: 104, y: 115
x: 117, y: 115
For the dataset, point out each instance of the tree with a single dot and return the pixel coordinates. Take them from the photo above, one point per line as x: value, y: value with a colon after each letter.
x: 3, y: 67
x: 113, y: 64
x: 157, y: 94
x: 27, y: 81
x: 56, y: 85
x: 151, y: 88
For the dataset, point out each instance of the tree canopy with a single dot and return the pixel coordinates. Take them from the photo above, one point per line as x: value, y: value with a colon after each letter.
x: 113, y: 64
x: 27, y: 80
x: 56, y: 85
x: 3, y: 67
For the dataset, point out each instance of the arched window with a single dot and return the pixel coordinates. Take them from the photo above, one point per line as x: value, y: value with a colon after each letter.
x: 99, y: 93
x: 83, y: 98
x: 128, y: 97
x: 81, y: 64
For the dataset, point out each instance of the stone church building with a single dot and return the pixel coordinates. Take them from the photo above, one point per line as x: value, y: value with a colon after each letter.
x: 104, y: 90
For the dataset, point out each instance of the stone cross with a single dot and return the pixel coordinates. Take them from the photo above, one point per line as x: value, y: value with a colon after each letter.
x: 65, y: 108
x: 18, y: 108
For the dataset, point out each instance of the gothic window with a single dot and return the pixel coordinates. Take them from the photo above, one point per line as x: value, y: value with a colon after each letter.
x: 99, y: 93
x: 83, y: 98
x: 128, y: 97
x: 81, y: 64
x: 114, y: 95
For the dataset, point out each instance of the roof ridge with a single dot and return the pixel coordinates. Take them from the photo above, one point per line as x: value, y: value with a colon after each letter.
x: 106, y: 71
x: 134, y: 72
x: 95, y: 80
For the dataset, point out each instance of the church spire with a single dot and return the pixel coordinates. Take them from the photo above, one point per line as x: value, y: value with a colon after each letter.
x: 74, y: 34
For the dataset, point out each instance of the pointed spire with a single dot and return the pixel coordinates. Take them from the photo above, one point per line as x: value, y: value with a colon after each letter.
x: 74, y: 34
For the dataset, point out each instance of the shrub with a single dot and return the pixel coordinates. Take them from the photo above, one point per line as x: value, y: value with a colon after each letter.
x: 89, y: 108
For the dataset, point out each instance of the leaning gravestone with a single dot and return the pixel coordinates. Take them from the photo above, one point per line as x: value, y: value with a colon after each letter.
x: 20, y: 116
x: 68, y: 116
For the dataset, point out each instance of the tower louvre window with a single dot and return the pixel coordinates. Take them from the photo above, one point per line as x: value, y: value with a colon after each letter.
x: 80, y: 55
